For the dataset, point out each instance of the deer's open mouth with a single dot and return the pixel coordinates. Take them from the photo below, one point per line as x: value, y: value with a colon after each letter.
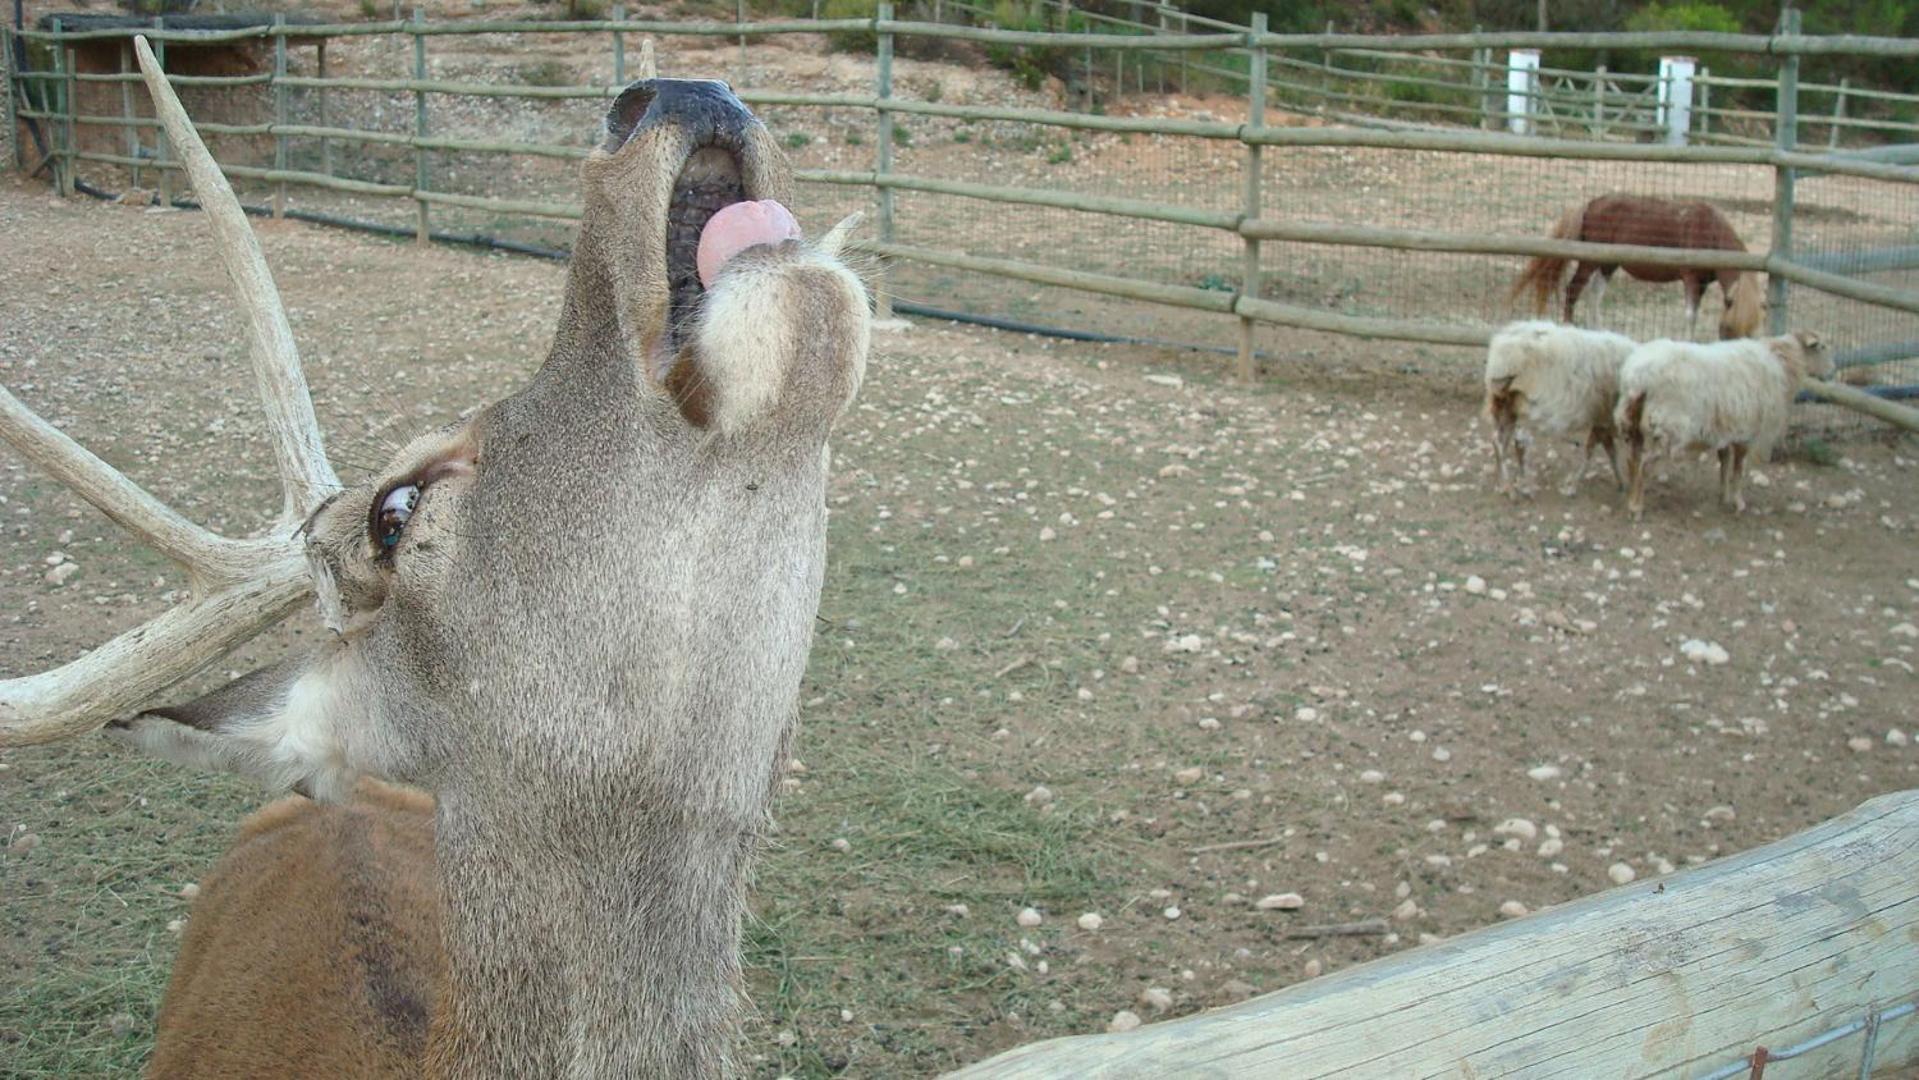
x: 709, y: 181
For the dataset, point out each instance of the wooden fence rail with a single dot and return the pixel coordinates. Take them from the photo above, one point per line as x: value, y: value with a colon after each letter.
x: 1806, y: 946
x: 1251, y: 224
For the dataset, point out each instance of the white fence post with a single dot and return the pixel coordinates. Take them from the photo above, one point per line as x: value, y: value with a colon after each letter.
x: 1522, y: 81
x: 1675, y: 97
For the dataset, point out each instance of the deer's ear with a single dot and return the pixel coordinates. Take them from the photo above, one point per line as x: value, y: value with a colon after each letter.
x: 280, y: 726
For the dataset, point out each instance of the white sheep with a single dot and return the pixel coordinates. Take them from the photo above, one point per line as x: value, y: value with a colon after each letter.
x: 1730, y: 397
x: 1554, y: 380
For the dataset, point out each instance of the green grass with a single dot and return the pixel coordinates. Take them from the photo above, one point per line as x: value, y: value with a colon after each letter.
x: 88, y: 951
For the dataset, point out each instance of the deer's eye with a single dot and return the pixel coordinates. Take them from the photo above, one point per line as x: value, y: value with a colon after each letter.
x: 391, y: 514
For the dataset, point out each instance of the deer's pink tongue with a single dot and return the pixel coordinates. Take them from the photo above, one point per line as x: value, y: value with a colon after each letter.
x: 739, y: 226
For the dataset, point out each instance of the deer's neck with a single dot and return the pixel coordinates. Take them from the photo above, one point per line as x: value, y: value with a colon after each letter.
x: 616, y: 957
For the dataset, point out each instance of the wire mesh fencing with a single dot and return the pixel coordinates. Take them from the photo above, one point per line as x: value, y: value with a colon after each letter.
x: 1038, y: 177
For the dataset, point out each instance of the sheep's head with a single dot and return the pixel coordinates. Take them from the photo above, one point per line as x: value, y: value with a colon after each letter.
x: 1818, y: 358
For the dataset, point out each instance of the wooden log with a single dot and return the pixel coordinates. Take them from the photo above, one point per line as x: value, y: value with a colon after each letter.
x: 1851, y: 397
x: 563, y: 211
x: 1137, y: 209
x: 1786, y: 134
x: 1244, y: 364
x: 177, y: 80
x: 1783, y: 269
x: 279, y: 114
x: 1430, y: 333
x: 1498, y: 244
x: 422, y: 234
x: 883, y: 160
x: 1185, y: 296
x: 1682, y: 975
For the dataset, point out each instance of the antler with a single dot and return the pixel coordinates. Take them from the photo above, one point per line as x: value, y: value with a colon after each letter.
x: 238, y: 587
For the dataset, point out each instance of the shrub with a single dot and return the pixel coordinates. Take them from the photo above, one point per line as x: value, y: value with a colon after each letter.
x: 864, y: 41
x: 545, y: 73
x: 1031, y: 64
x: 1061, y: 154
x: 797, y: 139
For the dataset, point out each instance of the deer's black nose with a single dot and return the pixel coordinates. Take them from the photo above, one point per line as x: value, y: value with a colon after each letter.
x: 703, y: 108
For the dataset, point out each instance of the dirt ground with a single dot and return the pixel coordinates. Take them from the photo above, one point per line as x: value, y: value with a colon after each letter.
x: 1093, y: 612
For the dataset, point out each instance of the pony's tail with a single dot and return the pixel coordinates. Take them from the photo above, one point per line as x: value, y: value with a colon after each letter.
x: 1544, y: 273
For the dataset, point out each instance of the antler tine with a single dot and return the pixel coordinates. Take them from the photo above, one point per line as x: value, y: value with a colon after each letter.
x: 126, y: 674
x: 207, y: 557
x: 649, y: 67
x: 304, y: 472
x: 239, y: 587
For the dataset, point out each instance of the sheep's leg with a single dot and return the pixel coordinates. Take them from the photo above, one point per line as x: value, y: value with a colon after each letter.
x: 1612, y: 456
x: 1725, y: 475
x: 1636, y: 478
x: 1518, y: 446
x: 1581, y: 467
x: 1500, y: 433
x: 1739, y: 478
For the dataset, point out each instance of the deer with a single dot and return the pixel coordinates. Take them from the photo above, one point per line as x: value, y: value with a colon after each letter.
x: 532, y: 761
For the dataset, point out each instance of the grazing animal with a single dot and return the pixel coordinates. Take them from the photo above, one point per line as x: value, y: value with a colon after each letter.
x: 1648, y: 222
x: 577, y: 620
x: 1554, y: 380
x: 1730, y: 397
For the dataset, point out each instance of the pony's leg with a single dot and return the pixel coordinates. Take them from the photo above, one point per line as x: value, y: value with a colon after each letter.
x: 1739, y: 478
x: 1695, y: 292
x: 1582, y: 273
x: 1599, y: 298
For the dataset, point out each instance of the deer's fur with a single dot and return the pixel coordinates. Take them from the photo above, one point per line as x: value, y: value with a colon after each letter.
x: 585, y: 643
x: 1554, y: 380
x: 1730, y: 397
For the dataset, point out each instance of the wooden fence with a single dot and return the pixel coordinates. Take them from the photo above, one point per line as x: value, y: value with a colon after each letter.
x: 1252, y: 223
x: 1805, y: 950
x: 1362, y: 84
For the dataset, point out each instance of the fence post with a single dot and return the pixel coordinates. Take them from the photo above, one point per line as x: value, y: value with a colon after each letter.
x: 56, y: 129
x: 279, y: 113
x: 1185, y: 27
x: 739, y: 17
x: 1599, y: 102
x: 883, y: 90
x: 326, y: 144
x: 1249, y: 268
x: 619, y: 47
x: 1522, y: 75
x: 1704, y: 82
x: 160, y: 134
x: 1482, y: 57
x: 73, y: 109
x: 1786, y: 137
x: 420, y: 229
x: 13, y: 113
x: 126, y: 112
x: 1675, y: 97
x: 1838, y: 113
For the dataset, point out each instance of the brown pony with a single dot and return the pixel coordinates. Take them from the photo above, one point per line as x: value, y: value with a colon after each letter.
x: 1634, y: 219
